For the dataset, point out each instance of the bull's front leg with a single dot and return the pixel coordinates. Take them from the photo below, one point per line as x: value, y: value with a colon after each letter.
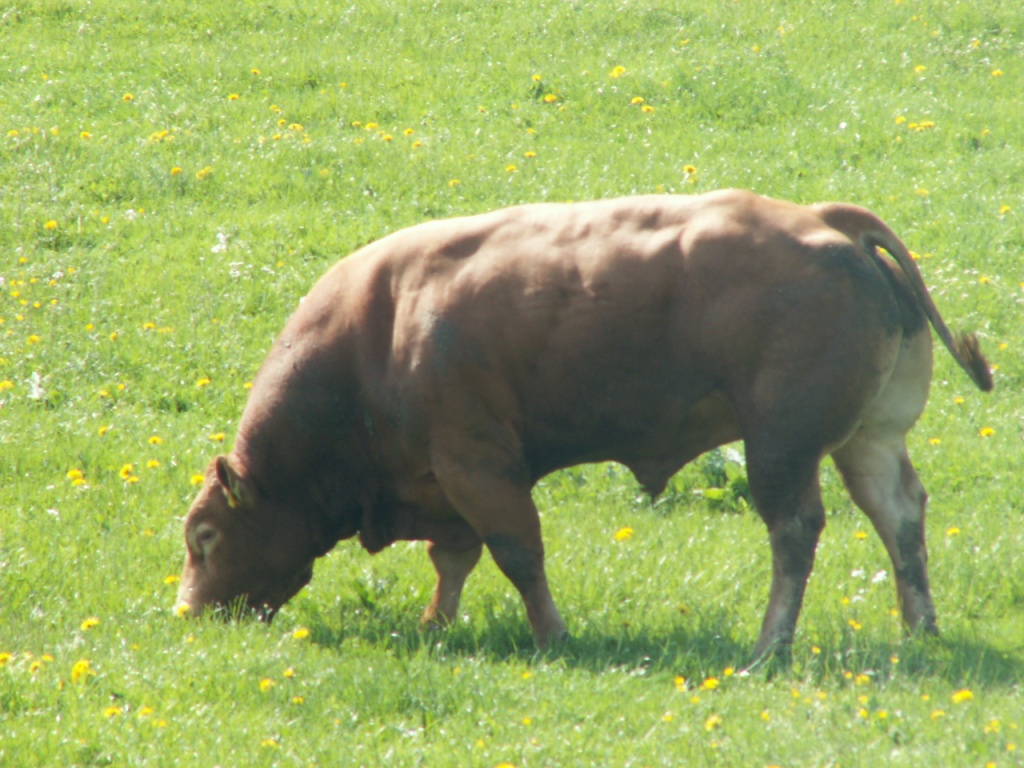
x: 521, y: 558
x: 490, y: 489
x: 453, y: 566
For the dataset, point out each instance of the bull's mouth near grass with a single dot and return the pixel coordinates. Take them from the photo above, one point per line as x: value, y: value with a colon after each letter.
x: 239, y: 609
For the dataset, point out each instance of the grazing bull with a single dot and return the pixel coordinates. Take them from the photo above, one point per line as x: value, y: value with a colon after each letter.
x: 429, y: 380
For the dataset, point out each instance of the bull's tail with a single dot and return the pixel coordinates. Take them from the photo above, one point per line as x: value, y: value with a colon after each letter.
x: 873, y: 234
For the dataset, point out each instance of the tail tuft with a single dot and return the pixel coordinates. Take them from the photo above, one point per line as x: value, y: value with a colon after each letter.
x: 967, y: 351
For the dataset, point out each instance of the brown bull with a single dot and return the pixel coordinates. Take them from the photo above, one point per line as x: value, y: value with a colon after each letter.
x: 428, y: 381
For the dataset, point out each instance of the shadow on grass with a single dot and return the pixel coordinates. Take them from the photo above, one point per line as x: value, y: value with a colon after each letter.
x: 502, y: 635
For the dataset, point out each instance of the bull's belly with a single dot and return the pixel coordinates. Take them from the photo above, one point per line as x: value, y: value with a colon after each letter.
x: 654, y: 443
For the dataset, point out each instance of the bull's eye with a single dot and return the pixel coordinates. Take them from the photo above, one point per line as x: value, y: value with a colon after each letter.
x: 204, y: 539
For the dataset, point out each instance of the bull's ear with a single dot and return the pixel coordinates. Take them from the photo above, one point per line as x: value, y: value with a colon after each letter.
x: 233, y: 484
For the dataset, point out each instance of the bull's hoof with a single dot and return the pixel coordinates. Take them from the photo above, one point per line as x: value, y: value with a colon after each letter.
x: 435, y: 622
x: 777, y: 657
x: 555, y: 643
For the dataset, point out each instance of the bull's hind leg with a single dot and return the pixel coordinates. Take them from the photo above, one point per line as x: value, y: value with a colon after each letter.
x: 786, y: 491
x: 453, y: 566
x: 877, y: 471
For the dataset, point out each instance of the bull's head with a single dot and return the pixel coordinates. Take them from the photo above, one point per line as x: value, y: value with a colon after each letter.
x: 242, y: 550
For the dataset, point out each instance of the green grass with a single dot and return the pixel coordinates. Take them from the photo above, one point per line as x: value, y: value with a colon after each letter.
x: 126, y: 284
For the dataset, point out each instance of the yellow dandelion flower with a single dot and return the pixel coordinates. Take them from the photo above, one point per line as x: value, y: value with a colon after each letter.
x: 997, y: 73
x: 986, y: 432
x: 529, y: 155
x: 861, y: 679
x: 454, y: 182
x: 112, y: 712
x: 689, y: 170
x: 647, y: 108
x: 712, y: 722
x: 962, y: 696
x: 301, y: 633
x: 126, y: 471
x: 709, y: 684
x: 85, y: 135
x: 5, y: 657
x: 269, y: 743
x: 232, y: 97
x: 297, y: 127
x: 75, y: 474
x: 172, y: 579
x: 152, y: 464
x: 936, y: 714
x: 860, y: 535
x: 89, y: 623
x: 854, y: 625
x: 6, y: 384
x: 617, y: 72
x: 920, y: 68
x: 82, y: 670
x: 217, y: 437
x: 266, y: 684
x: 255, y: 71
x: 33, y: 339
x: 637, y: 100
x: 128, y: 97
x: 51, y: 224
x: 298, y: 700
x: 680, y: 683
x: 155, y: 440
x: 624, y: 534
x: 204, y: 173
x: 197, y: 479
x: 203, y: 382
x: 103, y: 430
x: 510, y: 169
x: 952, y: 531
x: 145, y: 712
x: 408, y: 132
x: 934, y: 441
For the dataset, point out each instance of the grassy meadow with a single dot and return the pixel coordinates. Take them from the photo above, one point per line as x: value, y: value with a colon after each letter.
x: 174, y: 177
